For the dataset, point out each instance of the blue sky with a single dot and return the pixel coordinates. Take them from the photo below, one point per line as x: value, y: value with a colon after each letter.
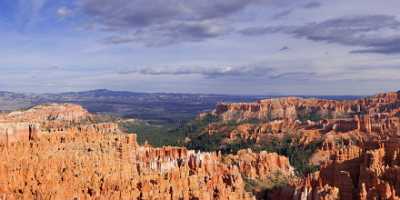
x: 207, y: 46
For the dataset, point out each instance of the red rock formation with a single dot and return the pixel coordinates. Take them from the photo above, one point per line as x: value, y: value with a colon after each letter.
x: 261, y: 165
x: 52, y: 118
x: 368, y: 173
x: 13, y: 132
x: 49, y: 112
x: 378, y: 107
x: 96, y: 161
x: 58, y: 152
x: 89, y: 165
x: 289, y: 108
x: 373, y: 117
x: 359, y: 153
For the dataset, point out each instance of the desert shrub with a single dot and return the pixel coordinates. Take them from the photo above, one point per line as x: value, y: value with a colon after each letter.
x: 289, y: 146
x: 163, y: 134
x: 206, y: 142
x: 237, y: 145
x: 261, y: 187
x: 312, y: 116
x: 157, y: 135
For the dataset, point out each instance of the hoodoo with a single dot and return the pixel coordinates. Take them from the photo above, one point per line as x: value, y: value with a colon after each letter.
x: 354, y: 143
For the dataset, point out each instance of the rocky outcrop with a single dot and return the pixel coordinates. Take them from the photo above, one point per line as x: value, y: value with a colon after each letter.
x: 97, y: 161
x: 13, y: 132
x: 261, y: 165
x: 358, y: 148
x: 60, y: 152
x: 368, y: 173
x: 293, y: 108
x: 51, y: 118
x: 372, y: 117
x: 89, y: 165
x: 48, y: 112
x: 290, y: 108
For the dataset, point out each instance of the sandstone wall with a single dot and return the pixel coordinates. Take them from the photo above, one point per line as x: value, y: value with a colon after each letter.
x: 89, y: 165
x: 13, y: 132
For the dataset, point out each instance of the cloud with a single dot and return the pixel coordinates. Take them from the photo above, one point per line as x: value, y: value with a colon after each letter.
x: 118, y: 40
x: 393, y: 48
x: 295, y: 75
x: 256, y: 31
x: 173, y: 33
x: 209, y: 72
x: 285, y: 48
x: 312, y: 5
x: 282, y: 14
x: 141, y: 13
x: 64, y: 12
x: 371, y: 33
x: 245, y: 73
x: 287, y: 12
x: 165, y: 22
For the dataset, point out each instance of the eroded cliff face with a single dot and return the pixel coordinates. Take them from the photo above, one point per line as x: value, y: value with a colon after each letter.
x: 376, y: 116
x: 61, y: 152
x: 368, y: 173
x: 48, y: 112
x: 293, y: 108
x: 26, y: 125
x: 261, y: 165
x: 18, y: 131
x: 262, y: 171
x: 351, y: 121
x: 358, y: 142
x: 83, y: 160
x: 92, y: 165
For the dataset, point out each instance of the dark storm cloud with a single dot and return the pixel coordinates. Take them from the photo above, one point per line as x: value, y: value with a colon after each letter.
x: 371, y: 33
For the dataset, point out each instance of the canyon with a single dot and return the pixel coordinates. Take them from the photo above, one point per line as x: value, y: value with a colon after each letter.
x: 355, y: 143
x: 60, y: 151
x: 284, y: 148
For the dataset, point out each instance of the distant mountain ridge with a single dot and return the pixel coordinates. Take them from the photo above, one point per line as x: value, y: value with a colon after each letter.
x: 169, y: 107
x: 149, y: 106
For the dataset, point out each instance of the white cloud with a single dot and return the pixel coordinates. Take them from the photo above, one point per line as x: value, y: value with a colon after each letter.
x: 64, y: 11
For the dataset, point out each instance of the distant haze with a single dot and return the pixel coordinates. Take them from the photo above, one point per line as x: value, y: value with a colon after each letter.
x: 261, y: 47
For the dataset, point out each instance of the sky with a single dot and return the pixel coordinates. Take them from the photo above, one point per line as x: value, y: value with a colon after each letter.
x: 265, y: 47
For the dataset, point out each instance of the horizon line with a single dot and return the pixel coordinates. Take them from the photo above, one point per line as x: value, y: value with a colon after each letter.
x: 196, y: 93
